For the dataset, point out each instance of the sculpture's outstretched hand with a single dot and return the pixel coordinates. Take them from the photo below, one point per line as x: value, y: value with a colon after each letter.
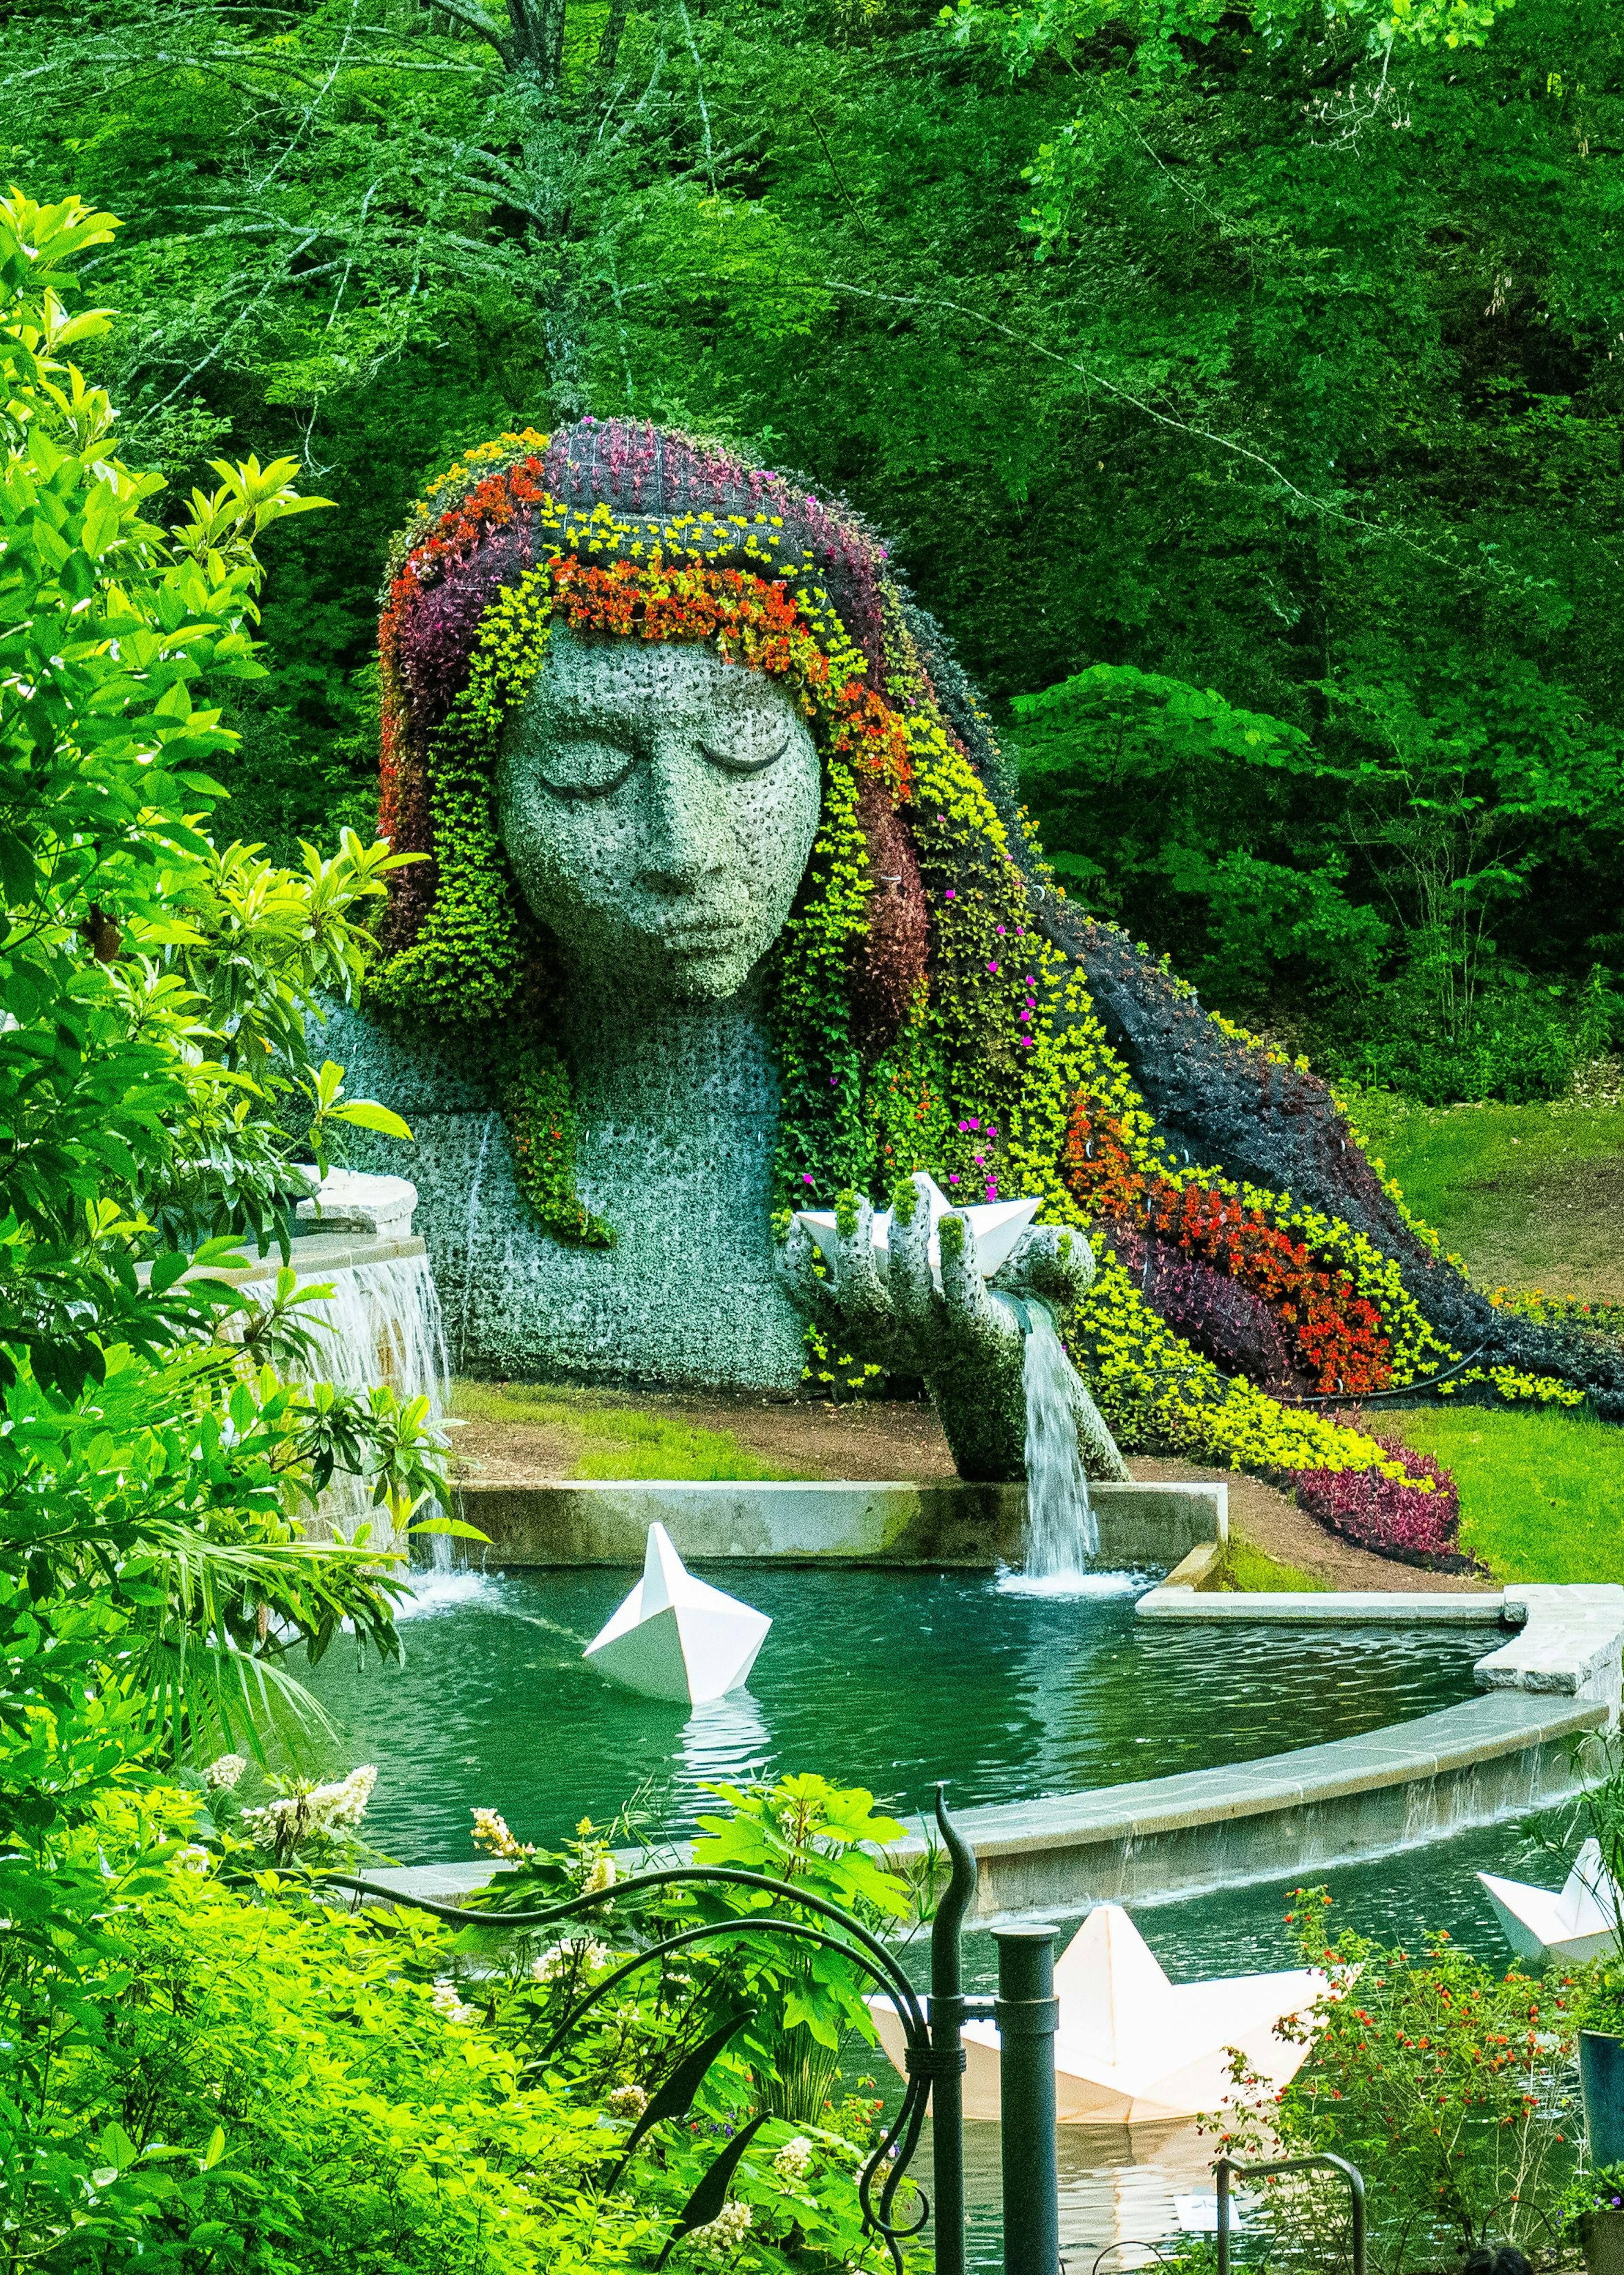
x: 968, y: 1347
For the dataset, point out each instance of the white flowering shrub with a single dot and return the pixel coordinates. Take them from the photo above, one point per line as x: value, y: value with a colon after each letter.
x: 720, y: 2239
x: 794, y: 2160
x: 315, y: 1822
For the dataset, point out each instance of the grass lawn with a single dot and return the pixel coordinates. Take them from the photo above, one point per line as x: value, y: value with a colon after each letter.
x: 1530, y: 1196
x: 1542, y: 1495
x: 597, y: 1440
x: 1249, y: 1571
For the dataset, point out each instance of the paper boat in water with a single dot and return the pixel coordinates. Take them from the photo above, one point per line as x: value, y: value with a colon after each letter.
x: 674, y: 1637
x: 995, y: 1226
x: 1132, y: 2048
x: 1572, y: 1922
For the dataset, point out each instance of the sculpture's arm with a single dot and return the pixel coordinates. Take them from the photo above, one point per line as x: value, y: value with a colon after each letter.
x: 968, y: 1347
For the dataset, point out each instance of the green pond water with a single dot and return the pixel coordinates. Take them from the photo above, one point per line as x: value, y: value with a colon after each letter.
x: 888, y: 1680
x: 892, y: 1680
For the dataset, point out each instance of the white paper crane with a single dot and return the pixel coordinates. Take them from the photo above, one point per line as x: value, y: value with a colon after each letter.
x: 996, y: 1226
x: 1132, y: 2048
x: 674, y: 1637
x: 1574, y: 1922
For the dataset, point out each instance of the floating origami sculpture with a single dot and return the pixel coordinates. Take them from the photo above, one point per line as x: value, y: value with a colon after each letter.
x: 674, y: 1637
x: 1132, y: 2048
x: 1579, y: 1921
x: 995, y: 1225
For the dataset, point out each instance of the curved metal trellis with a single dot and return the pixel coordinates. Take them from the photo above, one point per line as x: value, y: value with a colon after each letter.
x: 934, y: 2056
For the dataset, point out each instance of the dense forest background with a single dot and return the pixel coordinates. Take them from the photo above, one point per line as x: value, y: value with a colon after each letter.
x: 1243, y: 387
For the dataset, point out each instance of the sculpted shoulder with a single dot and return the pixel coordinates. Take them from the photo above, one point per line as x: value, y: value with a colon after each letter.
x: 414, y: 1074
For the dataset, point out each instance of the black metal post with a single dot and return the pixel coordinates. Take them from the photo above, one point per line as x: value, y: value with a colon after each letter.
x: 1027, y: 2013
x: 947, y: 2050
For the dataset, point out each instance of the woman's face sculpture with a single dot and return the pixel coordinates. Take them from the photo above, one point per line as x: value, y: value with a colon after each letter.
x: 659, y: 806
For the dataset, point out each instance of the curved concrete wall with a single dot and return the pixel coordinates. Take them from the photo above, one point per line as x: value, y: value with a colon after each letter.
x: 606, y: 1521
x: 1496, y: 1757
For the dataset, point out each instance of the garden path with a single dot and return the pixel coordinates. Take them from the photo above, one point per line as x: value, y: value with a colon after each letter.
x: 888, y: 1440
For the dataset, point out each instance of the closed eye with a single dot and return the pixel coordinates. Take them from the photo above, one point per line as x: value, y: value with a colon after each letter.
x: 585, y: 770
x: 732, y: 763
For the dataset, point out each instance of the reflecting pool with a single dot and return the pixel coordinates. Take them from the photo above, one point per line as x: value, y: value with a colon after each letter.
x: 884, y: 1679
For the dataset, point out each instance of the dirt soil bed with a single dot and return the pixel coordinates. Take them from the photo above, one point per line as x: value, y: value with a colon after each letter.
x: 890, y: 1442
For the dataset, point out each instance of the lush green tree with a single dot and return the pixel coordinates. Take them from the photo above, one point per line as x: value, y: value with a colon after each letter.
x: 152, y: 1573
x: 1268, y: 351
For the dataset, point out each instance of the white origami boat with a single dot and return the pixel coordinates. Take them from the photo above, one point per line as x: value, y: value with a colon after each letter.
x: 674, y: 1637
x: 1577, y: 1921
x: 996, y: 1226
x: 1132, y: 2048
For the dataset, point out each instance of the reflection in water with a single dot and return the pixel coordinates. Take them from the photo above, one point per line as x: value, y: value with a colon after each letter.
x: 725, y: 1741
x: 1116, y: 2188
x: 884, y: 1680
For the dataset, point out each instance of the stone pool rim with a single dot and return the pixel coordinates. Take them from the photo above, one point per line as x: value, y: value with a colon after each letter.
x: 545, y: 1523
x: 1527, y: 1742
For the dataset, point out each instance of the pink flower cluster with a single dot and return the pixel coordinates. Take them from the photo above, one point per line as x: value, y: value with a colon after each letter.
x: 1389, y: 1516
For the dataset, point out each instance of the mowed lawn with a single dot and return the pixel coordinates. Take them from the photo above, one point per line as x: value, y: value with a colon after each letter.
x: 1528, y: 1196
x: 1532, y: 1197
x: 1542, y: 1495
x: 569, y: 1434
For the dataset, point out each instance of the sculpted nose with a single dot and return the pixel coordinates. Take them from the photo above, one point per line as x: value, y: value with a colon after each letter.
x: 687, y: 839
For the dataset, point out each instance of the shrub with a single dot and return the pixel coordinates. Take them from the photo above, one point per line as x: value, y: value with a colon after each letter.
x: 1520, y: 1047
x: 243, y: 2078
x: 1414, y: 1519
x: 1447, y: 2084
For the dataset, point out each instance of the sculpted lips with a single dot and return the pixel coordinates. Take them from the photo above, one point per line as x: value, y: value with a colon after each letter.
x: 707, y: 936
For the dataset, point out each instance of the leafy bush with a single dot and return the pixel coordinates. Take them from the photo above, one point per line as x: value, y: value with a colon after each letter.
x: 1447, y: 2085
x: 237, y: 2077
x: 1521, y: 1047
x: 1415, y: 1519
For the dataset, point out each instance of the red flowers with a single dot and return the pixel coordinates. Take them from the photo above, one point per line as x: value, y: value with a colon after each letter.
x: 1338, y: 1333
x: 1394, y: 1516
x: 757, y: 622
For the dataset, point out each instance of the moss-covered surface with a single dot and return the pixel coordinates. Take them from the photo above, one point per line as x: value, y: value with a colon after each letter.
x: 1542, y: 1495
x: 1249, y: 1571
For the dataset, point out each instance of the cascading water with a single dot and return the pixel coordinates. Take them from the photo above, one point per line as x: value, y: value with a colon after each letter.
x: 382, y: 1325
x: 1062, y: 1533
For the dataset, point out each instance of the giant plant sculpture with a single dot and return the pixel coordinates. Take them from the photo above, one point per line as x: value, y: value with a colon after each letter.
x: 619, y: 638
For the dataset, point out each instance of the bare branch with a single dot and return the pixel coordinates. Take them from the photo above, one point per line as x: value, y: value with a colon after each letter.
x: 475, y: 19
x: 698, y: 81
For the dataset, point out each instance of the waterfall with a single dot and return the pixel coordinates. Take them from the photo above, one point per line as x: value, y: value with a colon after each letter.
x: 473, y: 1219
x: 382, y: 1325
x: 1062, y: 1533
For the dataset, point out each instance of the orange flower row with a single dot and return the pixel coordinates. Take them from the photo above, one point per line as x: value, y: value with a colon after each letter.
x: 1338, y: 1333
x: 756, y: 621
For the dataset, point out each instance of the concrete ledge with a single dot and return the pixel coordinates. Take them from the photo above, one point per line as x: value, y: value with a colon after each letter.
x: 1569, y: 1646
x: 314, y: 1257
x: 606, y: 1520
x: 1389, y: 1608
x: 1502, y: 1755
x: 441, y: 1883
x: 1571, y: 1643
x: 1202, y: 1570
x: 318, y: 1253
